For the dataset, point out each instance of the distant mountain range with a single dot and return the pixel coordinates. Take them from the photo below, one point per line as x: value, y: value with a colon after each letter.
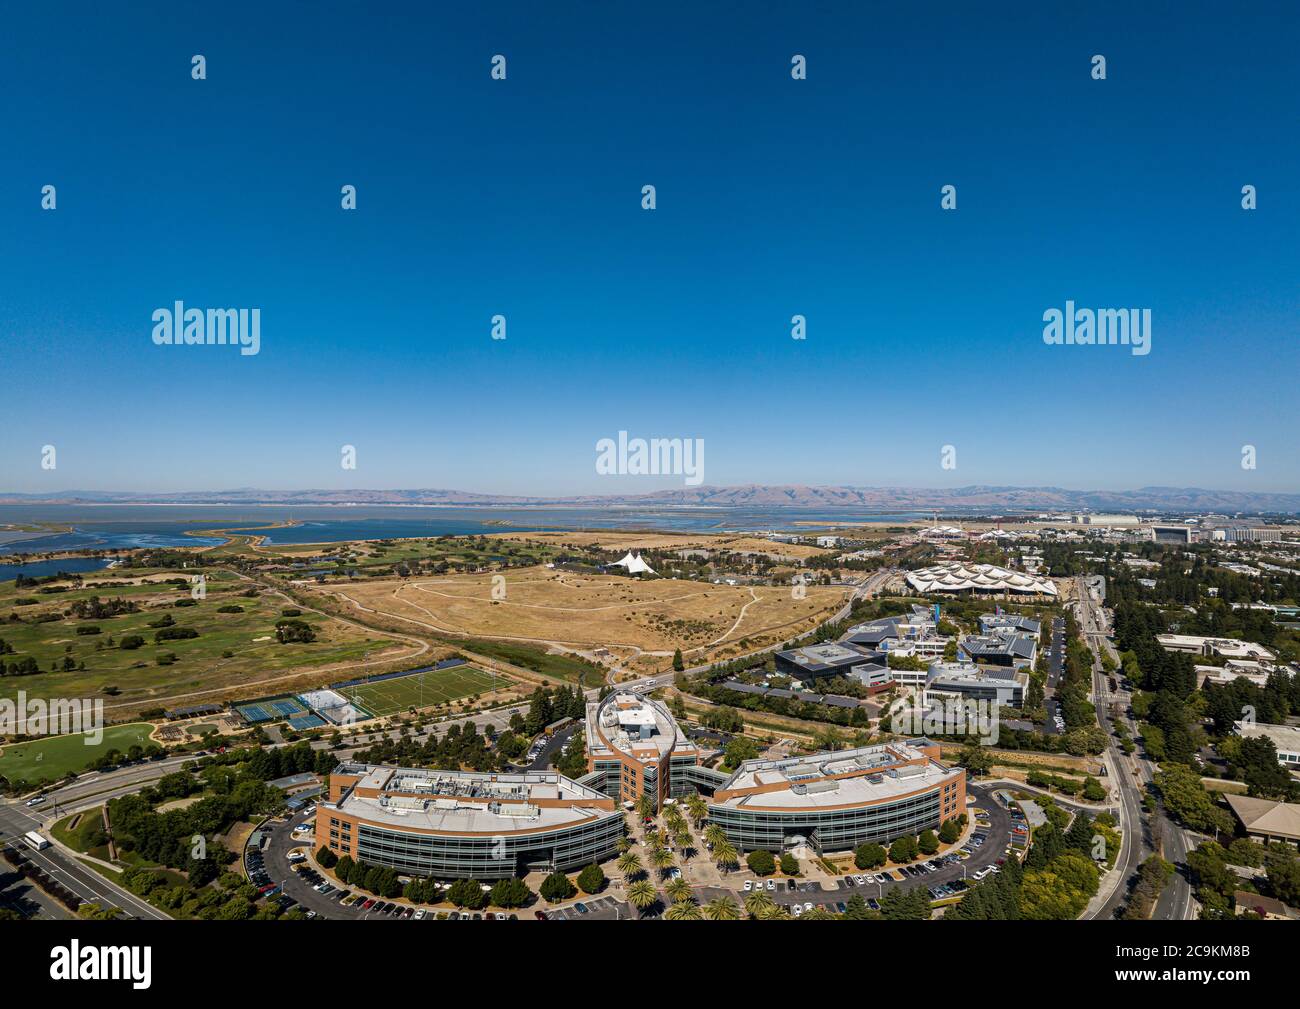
x: 1016, y: 499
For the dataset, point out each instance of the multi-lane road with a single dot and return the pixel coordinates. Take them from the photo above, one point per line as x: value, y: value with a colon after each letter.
x: 1133, y: 773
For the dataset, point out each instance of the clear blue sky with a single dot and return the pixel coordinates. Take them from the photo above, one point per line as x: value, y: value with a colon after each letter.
x: 522, y: 197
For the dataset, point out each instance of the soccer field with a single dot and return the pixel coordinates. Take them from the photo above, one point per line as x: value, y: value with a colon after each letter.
x: 420, y: 689
x: 53, y: 757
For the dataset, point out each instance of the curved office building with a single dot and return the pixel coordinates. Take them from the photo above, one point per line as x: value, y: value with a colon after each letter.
x: 636, y: 748
x: 457, y: 825
x: 838, y: 800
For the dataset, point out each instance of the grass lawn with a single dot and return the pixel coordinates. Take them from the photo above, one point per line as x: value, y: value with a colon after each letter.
x: 55, y: 756
x: 231, y: 648
x: 422, y: 689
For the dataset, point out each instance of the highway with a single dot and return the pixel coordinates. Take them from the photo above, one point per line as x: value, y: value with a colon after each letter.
x: 16, y: 820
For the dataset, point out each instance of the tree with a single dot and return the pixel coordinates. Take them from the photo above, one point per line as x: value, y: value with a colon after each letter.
x: 722, y: 909
x: 761, y: 863
x: 1187, y: 800
x: 686, y: 910
x: 678, y: 664
x: 466, y: 893
x: 868, y: 856
x: 326, y: 858
x: 928, y: 843
x: 725, y: 855
x: 975, y: 759
x: 591, y: 879
x: 758, y: 902
x: 556, y: 887
x: 856, y: 909
x: 678, y: 889
x: 904, y: 849
x: 510, y: 893
x: 789, y: 864
x: 949, y: 831
x: 642, y: 894
x: 629, y: 864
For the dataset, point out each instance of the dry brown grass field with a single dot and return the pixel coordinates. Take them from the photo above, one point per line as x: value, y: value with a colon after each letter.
x: 614, y: 540
x: 630, y: 618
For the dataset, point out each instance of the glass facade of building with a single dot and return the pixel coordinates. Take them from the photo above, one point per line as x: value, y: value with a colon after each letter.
x: 463, y: 856
x: 829, y: 829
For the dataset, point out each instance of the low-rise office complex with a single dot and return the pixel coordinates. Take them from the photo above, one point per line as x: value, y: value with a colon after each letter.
x: 967, y: 681
x: 459, y: 824
x: 838, y: 800
x: 1286, y: 739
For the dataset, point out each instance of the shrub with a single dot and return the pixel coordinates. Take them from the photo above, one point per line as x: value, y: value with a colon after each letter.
x: 761, y: 863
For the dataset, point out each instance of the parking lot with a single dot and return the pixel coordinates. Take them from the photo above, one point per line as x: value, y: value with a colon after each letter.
x: 985, y: 848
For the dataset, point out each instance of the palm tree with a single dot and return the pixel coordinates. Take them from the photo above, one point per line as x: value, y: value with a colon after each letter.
x: 757, y: 902
x: 645, y: 806
x: 722, y: 909
x: 818, y: 914
x: 714, y: 834
x: 629, y: 863
x: 624, y: 843
x: 642, y: 894
x: 697, y: 807
x: 687, y: 910
x: 677, y: 890
x: 662, y: 859
x: 777, y: 912
x: 683, y: 840
x: 725, y: 855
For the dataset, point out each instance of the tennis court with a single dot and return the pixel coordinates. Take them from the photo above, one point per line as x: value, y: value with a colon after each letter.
x: 420, y: 690
x: 266, y: 711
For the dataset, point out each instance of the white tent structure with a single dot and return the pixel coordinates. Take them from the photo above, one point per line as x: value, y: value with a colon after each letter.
x: 633, y: 564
